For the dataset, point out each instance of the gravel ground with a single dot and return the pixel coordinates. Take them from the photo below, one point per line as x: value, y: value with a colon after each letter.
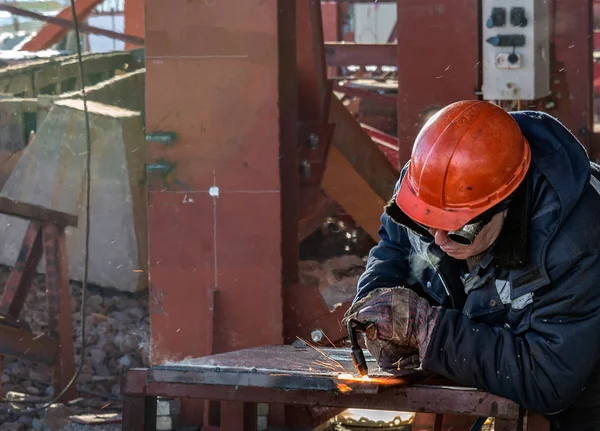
x: 117, y: 339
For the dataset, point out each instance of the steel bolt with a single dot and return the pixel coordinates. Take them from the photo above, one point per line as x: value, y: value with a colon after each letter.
x: 317, y: 336
x: 313, y: 141
x: 306, y: 169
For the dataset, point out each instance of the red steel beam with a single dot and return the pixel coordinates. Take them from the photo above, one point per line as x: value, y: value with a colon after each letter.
x: 363, y: 93
x: 367, y: 54
x: 51, y: 34
x: 68, y: 25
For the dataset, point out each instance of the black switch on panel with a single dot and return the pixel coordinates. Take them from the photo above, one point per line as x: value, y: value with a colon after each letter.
x: 497, y: 18
x: 517, y: 17
x: 512, y: 40
x: 513, y: 58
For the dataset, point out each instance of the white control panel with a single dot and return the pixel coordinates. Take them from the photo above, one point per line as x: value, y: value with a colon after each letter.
x: 515, y: 49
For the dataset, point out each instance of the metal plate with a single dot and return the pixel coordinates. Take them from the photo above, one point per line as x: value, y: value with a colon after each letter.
x: 284, y: 367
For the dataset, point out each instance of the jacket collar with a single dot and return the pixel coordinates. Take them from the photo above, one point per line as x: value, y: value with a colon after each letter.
x: 510, y: 250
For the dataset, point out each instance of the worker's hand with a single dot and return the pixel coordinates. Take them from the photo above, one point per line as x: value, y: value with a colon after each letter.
x: 391, y: 357
x: 398, y: 315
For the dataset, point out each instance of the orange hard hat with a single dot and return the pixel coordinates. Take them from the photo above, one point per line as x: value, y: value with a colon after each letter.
x: 468, y: 157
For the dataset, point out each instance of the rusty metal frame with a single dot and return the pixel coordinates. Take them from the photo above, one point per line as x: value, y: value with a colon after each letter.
x: 139, y: 393
x: 313, y: 100
x: 361, y: 54
x: 363, y: 93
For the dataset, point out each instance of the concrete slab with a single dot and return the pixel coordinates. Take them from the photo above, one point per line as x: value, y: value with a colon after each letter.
x: 51, y: 172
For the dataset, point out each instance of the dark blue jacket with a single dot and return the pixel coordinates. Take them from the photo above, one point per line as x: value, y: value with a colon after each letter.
x: 526, y: 323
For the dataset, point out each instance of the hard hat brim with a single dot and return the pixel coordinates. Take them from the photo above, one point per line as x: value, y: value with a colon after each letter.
x: 430, y: 216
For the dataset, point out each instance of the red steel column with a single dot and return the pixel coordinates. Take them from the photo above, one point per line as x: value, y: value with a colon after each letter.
x: 134, y: 20
x: 572, y: 66
x: 214, y: 192
x: 438, y: 61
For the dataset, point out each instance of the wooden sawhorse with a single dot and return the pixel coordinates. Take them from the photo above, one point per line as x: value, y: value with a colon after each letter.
x: 45, y: 236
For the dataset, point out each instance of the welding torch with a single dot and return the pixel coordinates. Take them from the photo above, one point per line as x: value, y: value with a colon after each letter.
x: 358, y: 357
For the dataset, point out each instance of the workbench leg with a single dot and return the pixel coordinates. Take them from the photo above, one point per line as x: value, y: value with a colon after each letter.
x: 139, y: 413
x: 58, y: 293
x: 437, y: 423
x: 237, y: 416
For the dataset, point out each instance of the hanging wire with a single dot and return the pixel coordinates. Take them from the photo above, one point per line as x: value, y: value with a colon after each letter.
x: 88, y: 163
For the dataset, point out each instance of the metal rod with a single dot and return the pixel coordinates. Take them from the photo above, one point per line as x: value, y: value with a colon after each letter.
x: 65, y: 23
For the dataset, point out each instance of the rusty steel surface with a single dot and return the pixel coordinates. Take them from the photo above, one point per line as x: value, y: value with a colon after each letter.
x: 367, y: 54
x: 442, y: 75
x: 306, y: 311
x: 134, y: 20
x: 58, y: 293
x: 23, y: 272
x: 330, y: 12
x: 214, y: 193
x: 51, y: 34
x: 38, y: 213
x: 572, y: 66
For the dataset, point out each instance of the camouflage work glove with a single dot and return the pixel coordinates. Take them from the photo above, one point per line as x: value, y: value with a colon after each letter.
x: 391, y: 357
x: 397, y: 315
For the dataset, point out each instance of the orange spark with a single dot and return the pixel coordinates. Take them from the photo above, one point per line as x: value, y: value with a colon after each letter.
x: 344, y: 388
x: 368, y: 379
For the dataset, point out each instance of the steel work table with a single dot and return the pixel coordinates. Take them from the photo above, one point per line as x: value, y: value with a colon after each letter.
x: 303, y: 376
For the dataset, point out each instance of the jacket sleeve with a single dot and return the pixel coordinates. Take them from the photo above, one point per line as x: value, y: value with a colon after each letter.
x: 544, y: 368
x: 387, y: 265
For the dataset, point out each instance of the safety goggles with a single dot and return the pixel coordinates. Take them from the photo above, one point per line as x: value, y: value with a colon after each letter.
x: 466, y: 235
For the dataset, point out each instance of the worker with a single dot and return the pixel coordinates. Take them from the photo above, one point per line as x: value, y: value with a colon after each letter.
x: 488, y: 264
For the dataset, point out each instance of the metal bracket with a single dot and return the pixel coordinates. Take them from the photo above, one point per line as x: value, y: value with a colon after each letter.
x: 166, y: 170
x: 165, y: 138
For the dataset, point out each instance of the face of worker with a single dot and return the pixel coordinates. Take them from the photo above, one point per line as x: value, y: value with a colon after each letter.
x: 482, y: 242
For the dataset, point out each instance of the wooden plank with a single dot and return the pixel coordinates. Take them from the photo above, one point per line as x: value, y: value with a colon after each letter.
x: 58, y: 293
x: 25, y: 345
x: 24, y: 210
x: 93, y: 65
x: 21, y: 276
x: 27, y: 80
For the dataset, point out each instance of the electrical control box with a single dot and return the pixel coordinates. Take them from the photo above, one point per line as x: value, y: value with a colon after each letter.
x: 515, y: 49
